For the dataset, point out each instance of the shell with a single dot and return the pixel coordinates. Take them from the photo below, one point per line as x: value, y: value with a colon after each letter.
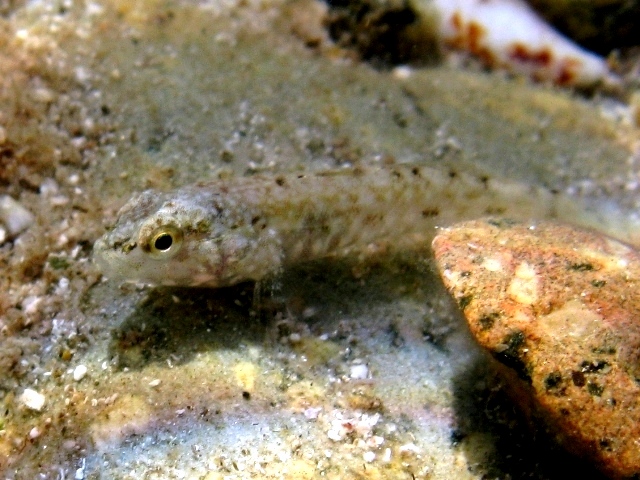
x: 509, y: 34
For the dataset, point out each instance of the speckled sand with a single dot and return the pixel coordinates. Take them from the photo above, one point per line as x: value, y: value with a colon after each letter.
x: 337, y: 370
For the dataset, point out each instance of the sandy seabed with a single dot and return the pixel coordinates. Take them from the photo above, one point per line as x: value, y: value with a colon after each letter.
x: 341, y: 369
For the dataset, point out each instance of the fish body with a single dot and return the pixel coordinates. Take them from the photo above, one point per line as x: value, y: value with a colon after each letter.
x: 223, y: 232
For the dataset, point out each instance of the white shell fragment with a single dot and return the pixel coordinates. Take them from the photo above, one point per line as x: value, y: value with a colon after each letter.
x: 15, y: 218
x: 509, y: 34
x: 32, y: 399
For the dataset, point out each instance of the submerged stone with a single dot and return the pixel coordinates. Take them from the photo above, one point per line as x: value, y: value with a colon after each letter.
x: 557, y: 307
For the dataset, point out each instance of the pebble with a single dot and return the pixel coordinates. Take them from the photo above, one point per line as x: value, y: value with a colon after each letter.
x: 79, y: 372
x: 312, y: 413
x: 14, y: 216
x: 557, y: 308
x: 32, y: 399
x: 31, y: 304
x: 359, y: 372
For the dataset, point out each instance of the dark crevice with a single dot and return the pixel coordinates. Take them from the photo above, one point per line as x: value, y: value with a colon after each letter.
x: 385, y: 34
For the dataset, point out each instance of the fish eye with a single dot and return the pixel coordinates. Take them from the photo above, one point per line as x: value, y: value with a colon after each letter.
x: 165, y: 242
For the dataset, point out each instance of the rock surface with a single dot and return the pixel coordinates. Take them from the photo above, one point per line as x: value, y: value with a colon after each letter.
x: 557, y: 308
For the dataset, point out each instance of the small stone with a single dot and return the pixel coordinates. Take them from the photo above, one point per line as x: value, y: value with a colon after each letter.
x: 69, y: 444
x: 312, y: 413
x: 14, y: 216
x: 295, y: 338
x: 66, y: 354
x: 402, y: 72
x: 375, y: 441
x: 154, y: 383
x: 43, y: 95
x: 31, y: 304
x: 408, y: 449
x: 335, y: 435
x: 369, y: 457
x: 561, y: 317
x: 359, y: 372
x: 386, y: 455
x: 32, y: 399
x: 79, y: 372
x: 34, y: 433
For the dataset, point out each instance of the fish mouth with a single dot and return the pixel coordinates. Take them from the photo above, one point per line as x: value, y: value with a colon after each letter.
x: 99, y: 248
x: 106, y: 259
x: 125, y: 267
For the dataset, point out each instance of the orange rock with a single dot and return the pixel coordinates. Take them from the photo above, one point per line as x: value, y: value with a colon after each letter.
x: 558, y: 308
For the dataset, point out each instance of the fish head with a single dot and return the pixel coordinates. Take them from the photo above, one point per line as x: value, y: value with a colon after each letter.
x: 194, y: 236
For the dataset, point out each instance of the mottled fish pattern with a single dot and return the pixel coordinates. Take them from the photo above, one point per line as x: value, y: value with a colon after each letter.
x: 228, y: 231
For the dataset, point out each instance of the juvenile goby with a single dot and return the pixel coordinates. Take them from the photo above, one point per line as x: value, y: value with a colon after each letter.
x: 227, y: 231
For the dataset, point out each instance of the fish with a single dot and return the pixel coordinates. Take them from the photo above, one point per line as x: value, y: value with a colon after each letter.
x: 223, y: 232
